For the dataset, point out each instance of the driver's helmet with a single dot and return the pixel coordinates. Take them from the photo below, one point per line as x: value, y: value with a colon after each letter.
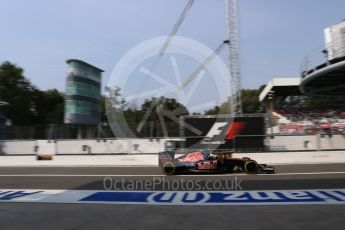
x: 211, y: 155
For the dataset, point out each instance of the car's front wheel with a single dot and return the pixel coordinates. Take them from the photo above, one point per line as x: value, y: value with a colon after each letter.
x: 169, y: 168
x: 251, y: 167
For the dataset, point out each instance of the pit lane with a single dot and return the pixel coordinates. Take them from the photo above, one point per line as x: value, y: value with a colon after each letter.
x: 96, y: 216
x: 309, y: 176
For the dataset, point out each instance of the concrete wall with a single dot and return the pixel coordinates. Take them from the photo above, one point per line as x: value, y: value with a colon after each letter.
x: 293, y: 143
x: 332, y: 142
x: 335, y: 40
x: 107, y: 146
x: 18, y: 147
x: 144, y: 146
x: 306, y: 142
x: 313, y: 157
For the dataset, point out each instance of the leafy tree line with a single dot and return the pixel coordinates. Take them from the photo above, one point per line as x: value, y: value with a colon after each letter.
x: 250, y: 103
x: 152, y: 108
x: 30, y: 106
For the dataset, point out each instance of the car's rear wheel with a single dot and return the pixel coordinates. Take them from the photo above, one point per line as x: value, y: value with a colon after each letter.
x: 251, y: 167
x: 169, y: 168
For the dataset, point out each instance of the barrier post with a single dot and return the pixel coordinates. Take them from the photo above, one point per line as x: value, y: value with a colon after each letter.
x: 129, y: 146
x: 318, y: 142
x: 234, y: 143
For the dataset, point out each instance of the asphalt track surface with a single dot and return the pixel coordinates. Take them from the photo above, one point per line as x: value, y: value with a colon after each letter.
x: 310, y: 176
x: 95, y: 216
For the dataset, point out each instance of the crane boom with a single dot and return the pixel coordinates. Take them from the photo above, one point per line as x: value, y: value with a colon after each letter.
x: 203, y: 65
x: 176, y: 27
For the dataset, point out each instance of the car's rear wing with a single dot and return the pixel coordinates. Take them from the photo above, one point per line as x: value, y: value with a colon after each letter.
x: 165, y: 156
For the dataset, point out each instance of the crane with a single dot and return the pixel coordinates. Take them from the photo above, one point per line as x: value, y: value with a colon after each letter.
x: 231, y: 14
x: 231, y: 41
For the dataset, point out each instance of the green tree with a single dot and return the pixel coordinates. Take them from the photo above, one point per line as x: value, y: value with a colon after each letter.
x: 18, y: 92
x: 167, y: 104
x: 49, y: 106
x: 28, y: 104
x: 215, y: 110
x: 250, y: 100
x: 250, y: 103
x: 113, y: 98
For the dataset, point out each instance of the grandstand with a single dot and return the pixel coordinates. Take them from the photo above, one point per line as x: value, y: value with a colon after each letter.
x: 291, y: 112
x: 313, y: 121
x: 294, y: 109
x: 323, y: 70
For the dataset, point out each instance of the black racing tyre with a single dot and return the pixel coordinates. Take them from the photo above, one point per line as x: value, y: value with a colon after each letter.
x: 169, y: 168
x: 251, y: 167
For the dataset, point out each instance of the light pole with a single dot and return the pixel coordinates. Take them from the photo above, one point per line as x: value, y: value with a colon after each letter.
x: 270, y: 110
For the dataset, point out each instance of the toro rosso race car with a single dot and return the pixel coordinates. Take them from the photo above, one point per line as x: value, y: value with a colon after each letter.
x: 208, y: 161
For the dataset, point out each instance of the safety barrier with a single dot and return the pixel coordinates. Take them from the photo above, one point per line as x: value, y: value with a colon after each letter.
x: 93, y: 146
x: 22, y: 147
x: 285, y: 143
x: 270, y: 143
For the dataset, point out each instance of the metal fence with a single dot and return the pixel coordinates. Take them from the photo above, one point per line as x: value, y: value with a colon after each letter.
x: 322, y: 57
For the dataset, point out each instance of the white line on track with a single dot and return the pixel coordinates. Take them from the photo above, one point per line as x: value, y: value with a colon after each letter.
x: 141, y: 175
x: 302, y: 173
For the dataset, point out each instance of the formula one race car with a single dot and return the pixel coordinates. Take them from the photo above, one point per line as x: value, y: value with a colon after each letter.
x: 209, y: 161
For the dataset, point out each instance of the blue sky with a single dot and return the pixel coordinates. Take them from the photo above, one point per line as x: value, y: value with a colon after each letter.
x: 275, y: 35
